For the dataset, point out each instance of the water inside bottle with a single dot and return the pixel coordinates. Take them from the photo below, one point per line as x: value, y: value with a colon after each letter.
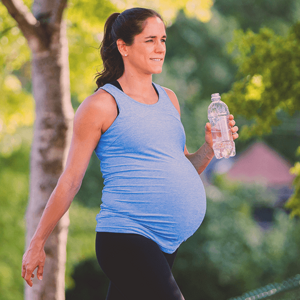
x: 224, y: 149
x: 218, y: 115
x: 223, y: 144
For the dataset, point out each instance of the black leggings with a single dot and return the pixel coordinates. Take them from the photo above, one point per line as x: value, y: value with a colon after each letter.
x: 136, y: 267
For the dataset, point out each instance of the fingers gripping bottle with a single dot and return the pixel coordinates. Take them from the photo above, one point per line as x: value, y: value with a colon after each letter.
x: 218, y: 115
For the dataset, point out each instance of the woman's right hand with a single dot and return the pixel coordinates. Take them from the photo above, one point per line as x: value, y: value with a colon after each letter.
x: 33, y: 258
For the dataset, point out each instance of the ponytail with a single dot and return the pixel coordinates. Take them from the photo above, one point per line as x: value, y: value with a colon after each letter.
x: 123, y: 26
x: 113, y: 66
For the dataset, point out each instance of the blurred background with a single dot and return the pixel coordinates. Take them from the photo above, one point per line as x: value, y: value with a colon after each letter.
x: 249, y: 52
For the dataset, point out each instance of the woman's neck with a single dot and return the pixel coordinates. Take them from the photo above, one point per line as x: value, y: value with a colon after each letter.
x: 138, y: 88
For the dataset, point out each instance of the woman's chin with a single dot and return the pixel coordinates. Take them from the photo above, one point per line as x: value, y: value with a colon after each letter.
x: 158, y: 71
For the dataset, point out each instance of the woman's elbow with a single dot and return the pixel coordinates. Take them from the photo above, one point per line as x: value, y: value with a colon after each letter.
x: 72, y: 181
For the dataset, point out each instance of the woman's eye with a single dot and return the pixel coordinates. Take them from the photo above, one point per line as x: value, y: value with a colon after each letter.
x: 152, y: 41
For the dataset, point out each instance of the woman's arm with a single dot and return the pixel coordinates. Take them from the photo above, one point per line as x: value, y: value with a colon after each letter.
x: 87, y: 128
x: 202, y: 157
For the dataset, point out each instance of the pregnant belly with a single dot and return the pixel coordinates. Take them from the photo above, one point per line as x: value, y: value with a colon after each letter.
x: 167, y: 199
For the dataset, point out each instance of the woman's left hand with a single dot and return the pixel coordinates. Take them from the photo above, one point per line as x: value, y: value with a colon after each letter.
x: 208, y: 135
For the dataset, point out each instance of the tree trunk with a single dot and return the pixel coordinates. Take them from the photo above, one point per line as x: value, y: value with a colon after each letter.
x: 52, y: 135
x: 46, y: 36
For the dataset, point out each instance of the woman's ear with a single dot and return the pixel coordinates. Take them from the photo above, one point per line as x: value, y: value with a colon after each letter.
x: 122, y: 47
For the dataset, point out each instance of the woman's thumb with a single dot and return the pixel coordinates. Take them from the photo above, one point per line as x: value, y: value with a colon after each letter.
x: 208, y: 126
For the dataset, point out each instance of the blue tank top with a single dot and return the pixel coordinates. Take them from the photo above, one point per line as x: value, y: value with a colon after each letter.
x: 150, y: 187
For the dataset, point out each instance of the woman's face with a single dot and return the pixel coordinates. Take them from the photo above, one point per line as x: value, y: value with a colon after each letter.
x: 148, y: 50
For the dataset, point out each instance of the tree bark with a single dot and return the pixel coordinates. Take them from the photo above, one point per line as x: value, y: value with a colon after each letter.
x: 52, y: 134
x: 46, y: 36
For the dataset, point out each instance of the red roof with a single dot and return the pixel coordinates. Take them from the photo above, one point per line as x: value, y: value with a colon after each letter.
x: 260, y: 163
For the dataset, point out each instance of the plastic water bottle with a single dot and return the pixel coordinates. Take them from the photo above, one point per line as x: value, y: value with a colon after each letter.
x: 218, y: 115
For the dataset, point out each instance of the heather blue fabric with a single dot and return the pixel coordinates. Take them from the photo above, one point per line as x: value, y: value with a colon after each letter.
x: 150, y: 187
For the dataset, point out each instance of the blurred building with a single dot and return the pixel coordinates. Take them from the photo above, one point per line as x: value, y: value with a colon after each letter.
x: 261, y: 164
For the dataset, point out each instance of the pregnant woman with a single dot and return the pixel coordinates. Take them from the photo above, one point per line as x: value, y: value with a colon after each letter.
x: 153, y: 198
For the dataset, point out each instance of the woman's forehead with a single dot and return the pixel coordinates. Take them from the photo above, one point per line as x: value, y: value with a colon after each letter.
x: 154, y: 26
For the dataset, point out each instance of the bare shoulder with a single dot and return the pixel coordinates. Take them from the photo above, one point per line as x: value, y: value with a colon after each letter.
x: 97, y: 109
x: 101, y: 101
x: 173, y: 98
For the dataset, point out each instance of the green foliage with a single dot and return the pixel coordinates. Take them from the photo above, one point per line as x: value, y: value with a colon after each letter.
x: 276, y: 14
x: 85, y: 22
x: 14, y: 178
x: 294, y: 202
x: 269, y: 71
x: 269, y: 68
x: 198, y: 50
x: 16, y: 105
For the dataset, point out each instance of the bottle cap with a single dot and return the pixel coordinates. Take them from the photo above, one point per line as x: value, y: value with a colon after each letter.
x: 215, y: 97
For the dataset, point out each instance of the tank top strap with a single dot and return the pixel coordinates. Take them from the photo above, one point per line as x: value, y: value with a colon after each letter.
x: 128, y: 105
x: 119, y: 96
x: 165, y: 102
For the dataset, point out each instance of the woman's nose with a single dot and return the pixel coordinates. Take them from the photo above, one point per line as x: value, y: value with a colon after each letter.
x: 160, y: 47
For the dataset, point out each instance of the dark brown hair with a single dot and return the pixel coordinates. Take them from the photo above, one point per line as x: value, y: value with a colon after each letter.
x: 124, y: 26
